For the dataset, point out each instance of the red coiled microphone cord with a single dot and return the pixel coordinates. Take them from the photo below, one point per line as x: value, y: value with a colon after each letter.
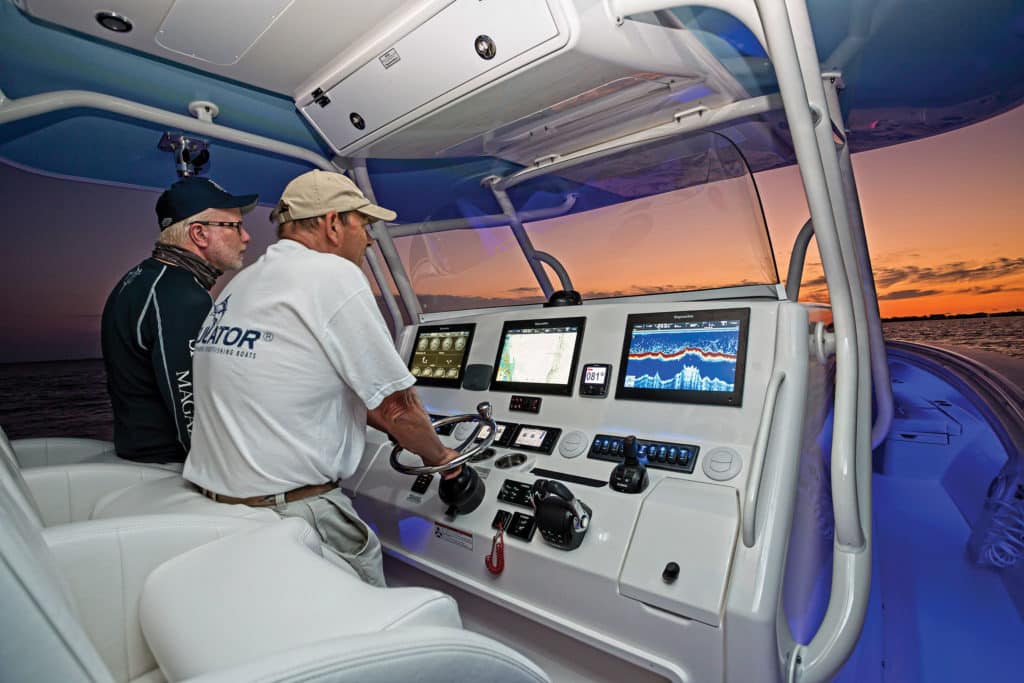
x: 495, y: 560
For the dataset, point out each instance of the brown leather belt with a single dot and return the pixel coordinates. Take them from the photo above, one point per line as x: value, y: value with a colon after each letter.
x: 273, y: 499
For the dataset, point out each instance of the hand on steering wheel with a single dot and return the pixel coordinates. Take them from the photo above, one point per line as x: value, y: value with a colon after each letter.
x: 467, y: 449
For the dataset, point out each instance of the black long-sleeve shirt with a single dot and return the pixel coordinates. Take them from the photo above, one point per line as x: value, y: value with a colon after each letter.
x: 150, y: 323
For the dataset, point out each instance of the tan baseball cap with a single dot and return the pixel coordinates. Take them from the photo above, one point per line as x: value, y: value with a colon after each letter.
x: 317, y: 192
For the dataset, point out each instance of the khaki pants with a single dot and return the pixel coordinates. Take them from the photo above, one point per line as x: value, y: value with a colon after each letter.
x: 342, y: 531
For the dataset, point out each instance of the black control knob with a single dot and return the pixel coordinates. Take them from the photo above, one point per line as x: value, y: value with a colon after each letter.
x: 463, y: 493
x: 670, y: 573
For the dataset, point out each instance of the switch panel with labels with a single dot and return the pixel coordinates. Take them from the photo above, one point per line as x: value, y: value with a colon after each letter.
x: 663, y: 455
x: 524, y: 404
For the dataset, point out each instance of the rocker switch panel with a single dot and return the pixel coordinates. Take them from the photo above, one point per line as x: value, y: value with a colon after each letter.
x: 522, y: 526
x: 422, y: 483
x: 503, y: 517
x: 524, y: 404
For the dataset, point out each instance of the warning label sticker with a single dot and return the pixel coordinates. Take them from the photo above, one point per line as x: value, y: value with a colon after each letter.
x: 390, y: 58
x: 453, y: 535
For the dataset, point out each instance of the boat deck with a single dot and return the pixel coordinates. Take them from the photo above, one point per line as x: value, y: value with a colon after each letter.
x: 935, y: 615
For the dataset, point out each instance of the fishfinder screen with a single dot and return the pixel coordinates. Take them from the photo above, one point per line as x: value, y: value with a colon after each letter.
x: 538, y: 356
x: 439, y: 354
x: 685, y: 357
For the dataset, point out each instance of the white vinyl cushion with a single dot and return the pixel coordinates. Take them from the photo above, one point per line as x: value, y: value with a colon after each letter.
x: 265, y: 592
x: 14, y: 484
x: 171, y: 495
x: 62, y: 451
x: 105, y: 564
x: 69, y: 493
x: 423, y: 654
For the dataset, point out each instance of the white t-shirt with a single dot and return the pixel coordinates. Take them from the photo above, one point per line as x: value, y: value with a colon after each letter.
x: 286, y: 365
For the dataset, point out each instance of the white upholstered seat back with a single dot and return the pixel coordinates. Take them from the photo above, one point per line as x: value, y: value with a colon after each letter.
x: 40, y: 635
x: 62, y: 450
x: 13, y: 482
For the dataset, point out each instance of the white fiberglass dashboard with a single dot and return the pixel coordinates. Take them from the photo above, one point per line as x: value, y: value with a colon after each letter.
x: 660, y: 573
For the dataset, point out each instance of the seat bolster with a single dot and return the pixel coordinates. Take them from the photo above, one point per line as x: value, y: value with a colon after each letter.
x: 105, y: 564
x: 68, y: 493
x: 46, y: 451
x: 422, y: 654
x: 268, y: 591
x: 171, y: 495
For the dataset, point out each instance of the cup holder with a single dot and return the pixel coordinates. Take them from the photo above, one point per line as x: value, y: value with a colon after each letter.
x: 510, y: 460
x: 485, y: 454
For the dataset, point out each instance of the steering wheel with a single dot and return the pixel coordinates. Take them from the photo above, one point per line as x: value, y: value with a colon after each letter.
x: 467, y: 448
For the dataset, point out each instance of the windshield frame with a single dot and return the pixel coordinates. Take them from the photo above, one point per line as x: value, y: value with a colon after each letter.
x: 772, y: 289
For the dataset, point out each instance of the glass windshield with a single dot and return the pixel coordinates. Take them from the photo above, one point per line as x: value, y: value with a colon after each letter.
x: 667, y: 216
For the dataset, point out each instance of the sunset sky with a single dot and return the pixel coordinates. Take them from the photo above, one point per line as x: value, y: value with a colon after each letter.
x: 943, y: 218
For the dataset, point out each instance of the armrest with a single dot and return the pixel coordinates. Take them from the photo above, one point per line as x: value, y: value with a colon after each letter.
x: 268, y: 591
x: 105, y: 563
x: 424, y: 655
x: 61, y: 451
x: 69, y: 493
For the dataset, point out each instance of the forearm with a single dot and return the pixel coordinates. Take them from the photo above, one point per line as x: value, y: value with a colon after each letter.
x: 402, y: 416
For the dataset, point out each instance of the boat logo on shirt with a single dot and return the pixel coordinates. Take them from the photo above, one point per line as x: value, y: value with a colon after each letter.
x: 130, y: 276
x: 217, y: 336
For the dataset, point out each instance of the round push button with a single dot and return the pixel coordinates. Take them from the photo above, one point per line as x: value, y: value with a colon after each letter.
x: 463, y: 430
x: 574, y: 444
x: 722, y: 464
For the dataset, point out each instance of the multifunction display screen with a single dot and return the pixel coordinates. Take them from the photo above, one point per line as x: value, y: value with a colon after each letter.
x: 439, y: 354
x: 685, y: 357
x: 538, y: 356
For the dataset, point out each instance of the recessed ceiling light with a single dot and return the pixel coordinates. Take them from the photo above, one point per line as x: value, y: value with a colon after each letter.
x: 112, y: 21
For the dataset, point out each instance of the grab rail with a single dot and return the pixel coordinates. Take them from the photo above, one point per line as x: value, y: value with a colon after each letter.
x: 880, y: 381
x: 44, y: 103
x: 797, y: 259
x: 792, y: 50
x: 757, y: 459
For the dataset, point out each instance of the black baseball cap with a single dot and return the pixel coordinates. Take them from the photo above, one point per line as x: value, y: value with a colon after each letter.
x: 193, y: 194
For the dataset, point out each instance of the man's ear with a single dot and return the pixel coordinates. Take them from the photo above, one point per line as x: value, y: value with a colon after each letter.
x: 198, y: 235
x: 332, y: 228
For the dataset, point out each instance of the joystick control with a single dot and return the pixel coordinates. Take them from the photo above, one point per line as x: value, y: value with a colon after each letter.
x: 631, y: 475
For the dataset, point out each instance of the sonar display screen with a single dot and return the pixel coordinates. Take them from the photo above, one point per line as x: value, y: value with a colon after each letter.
x: 439, y: 354
x: 686, y: 357
x: 538, y: 356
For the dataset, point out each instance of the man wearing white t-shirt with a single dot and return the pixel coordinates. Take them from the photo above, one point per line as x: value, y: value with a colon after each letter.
x: 291, y: 364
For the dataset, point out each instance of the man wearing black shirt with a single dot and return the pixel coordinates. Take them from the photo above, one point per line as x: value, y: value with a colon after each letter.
x: 152, y: 316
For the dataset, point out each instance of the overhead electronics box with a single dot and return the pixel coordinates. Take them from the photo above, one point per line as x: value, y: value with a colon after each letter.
x: 504, y: 62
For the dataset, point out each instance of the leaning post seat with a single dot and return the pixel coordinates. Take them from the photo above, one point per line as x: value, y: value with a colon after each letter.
x: 60, y: 494
x: 267, y: 606
x: 170, y: 495
x: 69, y: 594
x: 42, y: 452
x: 73, y: 599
